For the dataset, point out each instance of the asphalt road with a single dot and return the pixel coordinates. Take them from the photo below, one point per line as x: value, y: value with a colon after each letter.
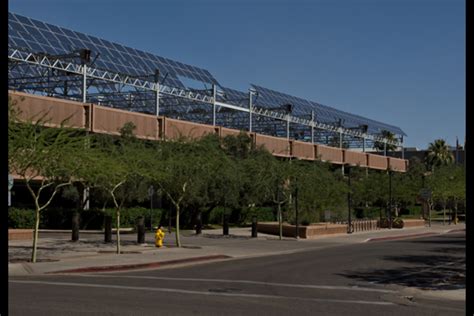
x: 357, y: 279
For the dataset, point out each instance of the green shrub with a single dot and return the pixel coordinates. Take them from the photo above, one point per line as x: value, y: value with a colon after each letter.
x: 21, y: 218
x: 128, y: 216
x: 305, y: 218
x: 396, y: 223
x: 59, y: 218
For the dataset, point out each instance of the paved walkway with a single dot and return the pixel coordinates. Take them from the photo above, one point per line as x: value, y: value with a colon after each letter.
x: 56, y: 253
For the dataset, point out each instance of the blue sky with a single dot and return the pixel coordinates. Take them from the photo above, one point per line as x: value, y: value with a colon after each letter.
x: 397, y: 61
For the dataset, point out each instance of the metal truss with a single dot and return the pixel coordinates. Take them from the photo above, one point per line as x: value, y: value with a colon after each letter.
x: 199, y: 97
x: 91, y: 72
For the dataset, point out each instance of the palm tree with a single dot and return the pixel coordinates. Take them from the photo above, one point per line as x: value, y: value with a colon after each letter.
x: 438, y: 154
x: 380, y: 146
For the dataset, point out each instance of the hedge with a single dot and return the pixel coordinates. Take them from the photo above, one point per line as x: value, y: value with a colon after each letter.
x: 58, y: 218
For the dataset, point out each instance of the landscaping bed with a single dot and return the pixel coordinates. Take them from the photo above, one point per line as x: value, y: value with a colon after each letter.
x: 307, y: 232
x: 20, y: 234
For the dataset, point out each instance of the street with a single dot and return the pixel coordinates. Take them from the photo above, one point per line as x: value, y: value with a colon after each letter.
x: 370, y: 278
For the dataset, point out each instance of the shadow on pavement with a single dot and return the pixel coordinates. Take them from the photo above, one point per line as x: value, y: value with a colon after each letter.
x: 435, y: 268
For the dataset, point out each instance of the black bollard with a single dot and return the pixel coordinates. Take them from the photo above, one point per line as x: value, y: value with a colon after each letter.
x: 107, y: 229
x: 225, y: 226
x: 140, y: 230
x: 254, y: 226
x: 198, y: 223
x: 75, y: 226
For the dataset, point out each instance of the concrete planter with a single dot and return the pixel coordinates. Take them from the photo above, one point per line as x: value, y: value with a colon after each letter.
x: 307, y: 232
x: 414, y: 222
x: 20, y: 234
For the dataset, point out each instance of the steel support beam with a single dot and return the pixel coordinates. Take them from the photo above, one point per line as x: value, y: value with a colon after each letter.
x: 91, y: 73
x: 84, y: 84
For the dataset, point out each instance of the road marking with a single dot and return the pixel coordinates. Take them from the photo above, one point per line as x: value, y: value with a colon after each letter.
x: 140, y: 288
x: 306, y: 286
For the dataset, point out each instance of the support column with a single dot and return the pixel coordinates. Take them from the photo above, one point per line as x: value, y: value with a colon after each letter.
x: 363, y: 144
x: 157, y: 92
x: 385, y: 148
x: 214, y: 94
x: 288, y: 126
x: 340, y: 147
x: 312, y: 127
x: 84, y: 83
x: 403, y: 149
x: 250, y: 110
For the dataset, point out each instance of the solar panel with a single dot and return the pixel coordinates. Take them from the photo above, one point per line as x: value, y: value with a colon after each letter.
x: 301, y: 107
x: 235, y: 97
x: 40, y: 37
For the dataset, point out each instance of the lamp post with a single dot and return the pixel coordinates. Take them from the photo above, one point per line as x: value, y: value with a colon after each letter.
x: 349, y: 201
x: 297, y: 225
x: 150, y: 193
x: 390, y: 173
x: 426, y: 196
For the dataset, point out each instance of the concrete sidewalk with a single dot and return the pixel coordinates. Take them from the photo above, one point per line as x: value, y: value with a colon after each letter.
x: 57, y: 254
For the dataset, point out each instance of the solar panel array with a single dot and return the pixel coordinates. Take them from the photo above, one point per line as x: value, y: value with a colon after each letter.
x: 234, y: 97
x: 301, y: 107
x: 39, y: 37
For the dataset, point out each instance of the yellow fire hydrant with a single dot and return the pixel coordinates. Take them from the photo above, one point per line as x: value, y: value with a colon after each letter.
x: 159, y: 236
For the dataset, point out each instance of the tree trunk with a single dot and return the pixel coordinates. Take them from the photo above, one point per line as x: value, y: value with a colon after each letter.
x: 118, y: 231
x: 178, y: 242
x: 35, y: 236
x: 455, y: 213
x: 444, y: 212
x: 280, y: 224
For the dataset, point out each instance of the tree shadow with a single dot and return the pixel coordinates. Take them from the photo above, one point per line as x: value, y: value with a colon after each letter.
x: 441, y: 268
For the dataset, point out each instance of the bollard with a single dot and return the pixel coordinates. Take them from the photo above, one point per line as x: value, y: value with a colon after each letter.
x: 108, y: 229
x: 140, y: 230
x: 254, y: 226
x: 75, y: 226
x: 198, y: 224
x: 225, y: 226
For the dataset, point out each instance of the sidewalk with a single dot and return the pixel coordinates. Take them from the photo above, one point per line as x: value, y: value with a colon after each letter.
x: 57, y: 254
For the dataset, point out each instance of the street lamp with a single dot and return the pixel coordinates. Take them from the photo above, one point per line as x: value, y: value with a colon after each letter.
x: 150, y: 193
x: 349, y: 201
x: 390, y: 173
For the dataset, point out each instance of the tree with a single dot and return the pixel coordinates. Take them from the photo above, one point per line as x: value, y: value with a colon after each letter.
x: 179, y: 170
x: 115, y: 165
x: 438, y: 154
x: 381, y: 146
x: 458, y: 188
x: 47, y: 159
x: 218, y: 183
x: 278, y: 186
x: 318, y: 189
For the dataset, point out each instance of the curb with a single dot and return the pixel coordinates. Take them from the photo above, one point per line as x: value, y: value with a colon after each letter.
x: 400, y: 237
x: 455, y: 230
x: 139, y: 265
